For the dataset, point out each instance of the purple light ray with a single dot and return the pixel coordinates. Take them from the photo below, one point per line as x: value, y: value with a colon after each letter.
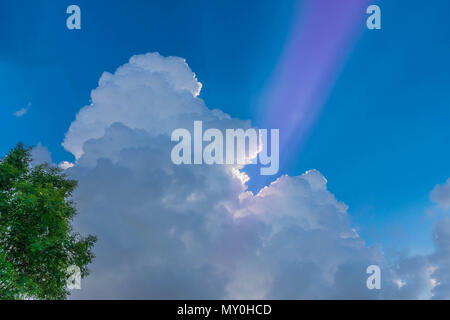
x: 321, y: 40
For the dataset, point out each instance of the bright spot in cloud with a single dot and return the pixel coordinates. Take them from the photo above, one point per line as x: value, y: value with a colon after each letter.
x: 65, y: 165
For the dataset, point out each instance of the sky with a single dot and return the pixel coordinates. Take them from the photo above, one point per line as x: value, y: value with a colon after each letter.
x: 368, y: 109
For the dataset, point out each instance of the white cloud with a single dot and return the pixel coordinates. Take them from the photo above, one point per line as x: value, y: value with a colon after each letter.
x: 65, y: 165
x: 169, y: 98
x: 168, y: 231
x: 441, y: 194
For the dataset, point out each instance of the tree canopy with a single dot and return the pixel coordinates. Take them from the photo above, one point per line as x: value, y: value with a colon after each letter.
x: 37, y: 240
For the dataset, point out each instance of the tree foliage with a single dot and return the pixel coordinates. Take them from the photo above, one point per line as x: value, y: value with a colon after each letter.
x: 37, y: 242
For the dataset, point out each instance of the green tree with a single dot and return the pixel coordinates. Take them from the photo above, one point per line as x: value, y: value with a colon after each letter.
x: 37, y: 242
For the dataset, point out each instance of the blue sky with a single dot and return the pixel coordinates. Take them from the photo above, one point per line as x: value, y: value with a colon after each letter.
x: 381, y: 138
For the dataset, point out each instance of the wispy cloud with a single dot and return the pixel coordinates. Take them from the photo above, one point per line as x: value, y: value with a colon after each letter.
x: 23, y: 111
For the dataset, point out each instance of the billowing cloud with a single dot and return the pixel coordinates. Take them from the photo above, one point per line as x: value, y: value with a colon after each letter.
x: 194, y: 231
x: 150, y: 92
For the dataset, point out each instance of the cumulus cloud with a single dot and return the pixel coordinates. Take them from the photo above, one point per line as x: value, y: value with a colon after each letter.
x: 150, y: 92
x: 441, y: 194
x: 195, y: 231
